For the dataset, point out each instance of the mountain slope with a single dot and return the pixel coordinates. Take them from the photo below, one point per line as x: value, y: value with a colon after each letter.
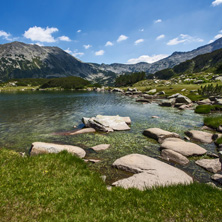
x: 20, y: 60
x: 209, y: 62
x: 169, y: 62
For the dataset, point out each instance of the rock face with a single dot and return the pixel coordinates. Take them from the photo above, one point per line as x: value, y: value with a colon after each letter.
x: 184, y: 148
x: 150, y: 173
x: 159, y: 134
x: 101, y: 147
x: 171, y: 155
x: 107, y: 123
x: 212, y: 165
x: 43, y: 148
x: 200, y: 136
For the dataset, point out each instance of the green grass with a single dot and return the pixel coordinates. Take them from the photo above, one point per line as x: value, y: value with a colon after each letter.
x: 205, y: 109
x: 213, y: 121
x: 219, y: 141
x: 60, y: 187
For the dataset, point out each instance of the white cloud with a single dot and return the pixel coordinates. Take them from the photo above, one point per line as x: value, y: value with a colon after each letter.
x: 75, y: 53
x: 216, y: 37
x: 146, y: 58
x: 216, y: 2
x: 87, y: 46
x: 5, y: 35
x: 64, y: 38
x: 78, y: 31
x: 40, y: 34
x: 100, y: 53
x: 158, y: 21
x: 141, y: 30
x: 160, y: 37
x: 109, y: 43
x: 182, y: 38
x: 68, y: 51
x: 78, y: 54
x: 122, y: 38
x: 138, y: 41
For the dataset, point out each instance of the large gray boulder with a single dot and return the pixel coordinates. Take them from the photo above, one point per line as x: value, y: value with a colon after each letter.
x: 149, y: 173
x: 184, y: 148
x: 183, y: 99
x: 200, y: 136
x: 173, y: 156
x: 212, y: 165
x: 204, y: 102
x: 43, y: 148
x: 159, y: 134
x: 107, y: 123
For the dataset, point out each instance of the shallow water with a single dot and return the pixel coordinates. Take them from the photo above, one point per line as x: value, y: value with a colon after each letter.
x: 26, y: 117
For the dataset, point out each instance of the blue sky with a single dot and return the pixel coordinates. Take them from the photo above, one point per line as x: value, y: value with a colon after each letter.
x: 110, y: 31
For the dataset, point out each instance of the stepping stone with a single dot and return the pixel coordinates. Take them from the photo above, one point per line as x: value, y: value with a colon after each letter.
x: 43, y: 148
x: 200, y: 136
x: 212, y: 165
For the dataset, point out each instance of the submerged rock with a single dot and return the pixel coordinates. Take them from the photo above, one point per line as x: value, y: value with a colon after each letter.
x: 200, y: 136
x: 149, y: 173
x: 212, y: 165
x: 107, y: 123
x: 43, y: 148
x: 101, y: 147
x: 159, y: 134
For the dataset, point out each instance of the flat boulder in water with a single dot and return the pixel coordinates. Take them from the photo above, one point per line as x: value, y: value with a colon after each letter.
x: 184, y: 148
x: 149, y: 173
x: 159, y: 134
x: 200, y: 136
x: 107, y: 123
x: 212, y: 165
x: 43, y: 148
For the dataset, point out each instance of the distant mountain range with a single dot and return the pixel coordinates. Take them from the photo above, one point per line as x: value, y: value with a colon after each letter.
x: 20, y: 60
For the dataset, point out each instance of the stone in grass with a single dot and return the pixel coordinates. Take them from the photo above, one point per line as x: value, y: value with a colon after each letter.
x: 173, y: 156
x: 159, y: 134
x: 43, y: 148
x: 101, y: 147
x: 200, y: 136
x: 212, y: 165
x: 184, y: 148
x: 150, y: 173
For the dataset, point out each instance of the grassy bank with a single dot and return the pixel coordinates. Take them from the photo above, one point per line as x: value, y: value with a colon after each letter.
x: 206, y: 109
x: 59, y: 187
x: 213, y: 121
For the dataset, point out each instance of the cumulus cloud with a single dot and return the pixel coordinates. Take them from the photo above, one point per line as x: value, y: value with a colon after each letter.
x: 5, y: 35
x: 182, y: 38
x: 40, y: 34
x: 138, y: 41
x: 146, y: 58
x: 216, y: 37
x: 78, y: 31
x: 160, y: 37
x: 75, y: 53
x: 122, y: 38
x: 158, y: 21
x: 100, y: 53
x: 87, y: 46
x: 109, y: 43
x: 64, y: 38
x: 217, y: 2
